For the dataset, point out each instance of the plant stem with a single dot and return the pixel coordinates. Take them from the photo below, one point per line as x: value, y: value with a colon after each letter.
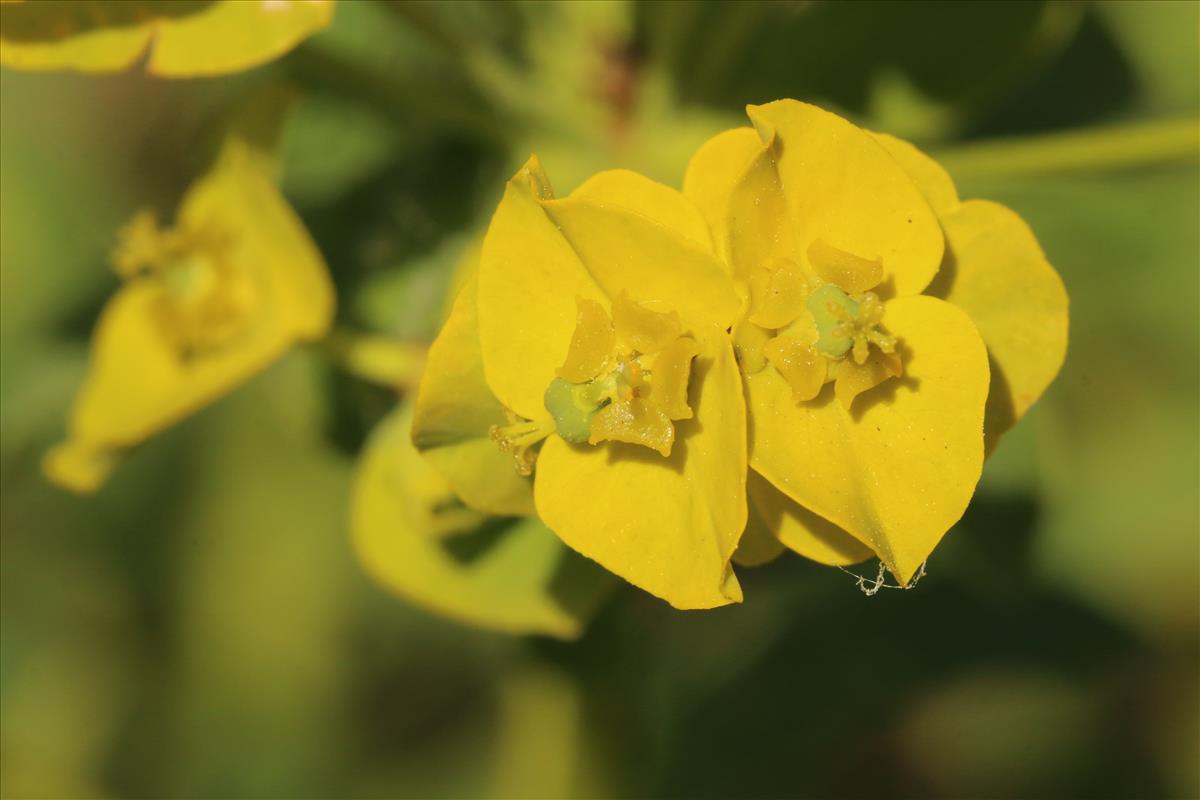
x: 1086, y: 150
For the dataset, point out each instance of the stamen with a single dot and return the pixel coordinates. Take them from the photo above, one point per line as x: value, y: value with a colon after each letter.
x: 883, y: 341
x: 870, y: 309
x: 519, y: 439
x: 861, y: 349
x: 140, y: 245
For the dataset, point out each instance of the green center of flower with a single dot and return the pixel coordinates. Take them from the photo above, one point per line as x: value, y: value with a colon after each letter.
x: 205, y: 300
x: 625, y: 379
x: 846, y: 325
x: 574, y: 405
x: 847, y: 319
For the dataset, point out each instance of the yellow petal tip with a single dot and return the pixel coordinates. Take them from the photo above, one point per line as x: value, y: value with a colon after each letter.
x: 78, y: 467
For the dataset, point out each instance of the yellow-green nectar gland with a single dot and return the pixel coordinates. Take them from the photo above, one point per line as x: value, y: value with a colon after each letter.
x: 625, y: 379
x: 846, y: 325
x: 575, y: 405
x: 572, y: 408
x: 205, y: 300
x: 619, y: 405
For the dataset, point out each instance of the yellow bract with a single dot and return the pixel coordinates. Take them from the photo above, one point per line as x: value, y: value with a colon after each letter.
x: 829, y: 232
x: 205, y: 305
x: 413, y: 537
x: 591, y: 345
x: 454, y: 412
x: 183, y: 38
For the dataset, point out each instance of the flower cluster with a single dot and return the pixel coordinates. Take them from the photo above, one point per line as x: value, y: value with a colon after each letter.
x: 812, y: 346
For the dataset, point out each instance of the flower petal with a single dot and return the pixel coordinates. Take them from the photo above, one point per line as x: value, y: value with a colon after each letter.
x: 671, y: 369
x: 634, y: 421
x: 529, y: 281
x: 591, y: 345
x: 184, y: 39
x: 271, y: 237
x: 712, y: 173
x: 800, y: 530
x: 778, y: 292
x: 761, y: 232
x: 137, y: 384
x: 799, y: 364
x: 853, y: 378
x: 408, y: 535
x: 663, y: 204
x: 234, y: 35
x: 758, y: 544
x: 643, y: 329
x: 62, y: 35
x: 995, y: 270
x: 842, y: 186
x: 668, y: 525
x: 899, y: 468
x: 847, y: 271
x: 929, y: 176
x: 453, y: 413
x: 624, y: 251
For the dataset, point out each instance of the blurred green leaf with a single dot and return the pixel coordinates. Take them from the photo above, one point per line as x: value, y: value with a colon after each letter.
x: 916, y: 69
x: 1121, y: 492
x: 967, y: 739
x: 1159, y: 37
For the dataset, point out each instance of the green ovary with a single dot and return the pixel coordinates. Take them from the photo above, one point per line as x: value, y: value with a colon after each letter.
x: 572, y: 405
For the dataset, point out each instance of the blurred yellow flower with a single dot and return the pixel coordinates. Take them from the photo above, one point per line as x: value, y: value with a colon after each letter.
x: 835, y: 239
x: 179, y: 39
x: 204, y: 305
x: 592, y: 345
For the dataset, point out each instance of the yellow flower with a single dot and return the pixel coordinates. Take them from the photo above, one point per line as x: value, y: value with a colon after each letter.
x: 204, y: 305
x: 592, y: 342
x: 182, y: 39
x: 860, y: 267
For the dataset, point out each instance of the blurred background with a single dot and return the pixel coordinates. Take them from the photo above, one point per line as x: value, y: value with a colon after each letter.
x: 200, y: 628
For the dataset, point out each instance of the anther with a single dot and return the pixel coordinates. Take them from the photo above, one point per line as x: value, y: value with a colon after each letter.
x: 519, y: 439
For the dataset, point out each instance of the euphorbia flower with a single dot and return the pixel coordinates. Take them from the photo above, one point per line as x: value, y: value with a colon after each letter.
x: 178, y: 39
x: 835, y: 237
x: 599, y: 322
x: 205, y: 304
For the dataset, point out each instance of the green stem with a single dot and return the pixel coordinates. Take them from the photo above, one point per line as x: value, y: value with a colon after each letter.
x: 1087, y: 150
